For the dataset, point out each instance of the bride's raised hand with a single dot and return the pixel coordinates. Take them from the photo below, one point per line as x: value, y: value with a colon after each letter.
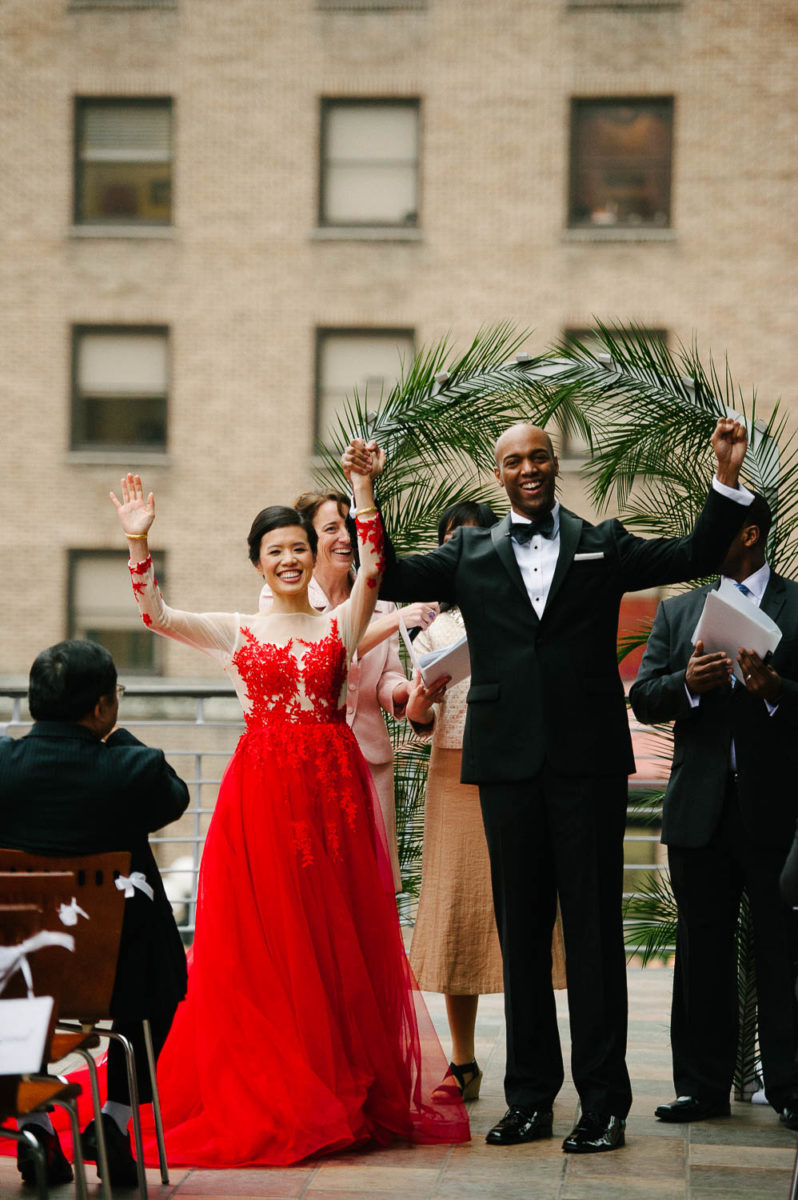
x: 136, y: 514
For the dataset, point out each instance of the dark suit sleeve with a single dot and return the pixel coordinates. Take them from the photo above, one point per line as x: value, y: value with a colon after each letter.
x: 789, y: 875
x: 158, y: 794
x: 421, y: 576
x: 659, y: 694
x: 653, y: 562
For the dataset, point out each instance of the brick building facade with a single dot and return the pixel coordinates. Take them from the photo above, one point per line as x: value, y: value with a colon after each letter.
x: 218, y: 214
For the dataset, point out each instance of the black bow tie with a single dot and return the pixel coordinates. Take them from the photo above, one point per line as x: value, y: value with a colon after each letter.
x: 523, y: 532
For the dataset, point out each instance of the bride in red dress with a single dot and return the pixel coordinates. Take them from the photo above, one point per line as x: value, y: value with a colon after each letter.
x: 302, y: 1032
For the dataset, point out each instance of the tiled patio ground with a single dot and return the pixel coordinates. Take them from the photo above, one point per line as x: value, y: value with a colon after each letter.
x: 747, y: 1156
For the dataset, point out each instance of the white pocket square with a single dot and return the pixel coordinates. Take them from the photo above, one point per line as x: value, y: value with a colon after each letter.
x: 588, y: 557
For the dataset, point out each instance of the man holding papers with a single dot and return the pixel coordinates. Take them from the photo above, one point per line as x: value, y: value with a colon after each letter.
x: 547, y: 741
x: 728, y: 817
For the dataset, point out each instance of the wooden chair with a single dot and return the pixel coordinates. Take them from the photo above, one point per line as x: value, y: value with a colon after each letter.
x: 87, y: 989
x: 20, y: 1095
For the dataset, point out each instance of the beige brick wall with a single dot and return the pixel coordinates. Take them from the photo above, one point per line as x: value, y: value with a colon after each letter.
x: 242, y: 282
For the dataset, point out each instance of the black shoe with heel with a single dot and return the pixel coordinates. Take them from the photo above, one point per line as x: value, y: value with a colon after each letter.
x: 467, y: 1077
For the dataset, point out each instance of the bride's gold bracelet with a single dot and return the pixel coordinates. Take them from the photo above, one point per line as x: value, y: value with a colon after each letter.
x: 137, y: 537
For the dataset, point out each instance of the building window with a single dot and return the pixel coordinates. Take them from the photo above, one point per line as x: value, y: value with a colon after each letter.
x: 347, y: 360
x: 572, y: 445
x: 119, y: 387
x: 370, y: 5
x: 369, y: 162
x: 621, y: 162
x: 77, y: 5
x: 101, y: 608
x: 123, y: 162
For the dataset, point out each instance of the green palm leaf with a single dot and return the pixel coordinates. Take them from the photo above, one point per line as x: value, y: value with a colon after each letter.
x: 650, y: 918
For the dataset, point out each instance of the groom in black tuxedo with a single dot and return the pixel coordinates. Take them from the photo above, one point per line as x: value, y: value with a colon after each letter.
x: 728, y: 819
x: 547, y: 741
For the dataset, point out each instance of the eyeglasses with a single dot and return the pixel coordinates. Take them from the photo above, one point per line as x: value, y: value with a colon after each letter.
x: 120, y: 690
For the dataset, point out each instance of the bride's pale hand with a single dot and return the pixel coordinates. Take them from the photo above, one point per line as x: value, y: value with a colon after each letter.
x: 136, y: 514
x: 363, y: 458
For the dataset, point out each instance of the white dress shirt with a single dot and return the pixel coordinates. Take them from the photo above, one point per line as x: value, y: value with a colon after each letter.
x: 537, y: 559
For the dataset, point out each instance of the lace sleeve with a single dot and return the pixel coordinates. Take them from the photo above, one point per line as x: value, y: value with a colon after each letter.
x: 215, y: 633
x: 367, y: 583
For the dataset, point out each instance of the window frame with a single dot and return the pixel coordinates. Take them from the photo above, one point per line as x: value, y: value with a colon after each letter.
x: 350, y: 331
x: 74, y: 556
x: 327, y: 104
x: 77, y: 333
x: 81, y: 105
x: 644, y: 228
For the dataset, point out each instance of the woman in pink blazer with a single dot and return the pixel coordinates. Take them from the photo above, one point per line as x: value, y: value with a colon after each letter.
x: 376, y: 678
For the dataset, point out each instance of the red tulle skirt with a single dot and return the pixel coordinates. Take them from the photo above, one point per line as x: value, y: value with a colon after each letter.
x: 303, y: 1031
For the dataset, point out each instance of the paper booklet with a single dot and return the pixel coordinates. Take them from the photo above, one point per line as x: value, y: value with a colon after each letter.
x: 452, y: 660
x: 731, y: 621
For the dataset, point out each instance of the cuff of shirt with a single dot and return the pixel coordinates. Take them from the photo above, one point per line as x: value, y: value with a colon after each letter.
x: 740, y: 494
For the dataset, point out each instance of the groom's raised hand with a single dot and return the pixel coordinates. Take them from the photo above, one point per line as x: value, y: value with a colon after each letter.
x: 364, y: 458
x: 730, y: 442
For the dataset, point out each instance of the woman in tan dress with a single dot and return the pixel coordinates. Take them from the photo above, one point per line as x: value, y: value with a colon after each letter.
x: 455, y: 948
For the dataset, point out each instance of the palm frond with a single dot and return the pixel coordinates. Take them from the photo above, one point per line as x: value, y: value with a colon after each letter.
x: 650, y: 918
x: 411, y: 763
x: 746, y: 1081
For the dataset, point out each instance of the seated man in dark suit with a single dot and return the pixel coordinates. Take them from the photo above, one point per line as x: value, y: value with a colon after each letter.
x: 728, y: 818
x: 72, y: 786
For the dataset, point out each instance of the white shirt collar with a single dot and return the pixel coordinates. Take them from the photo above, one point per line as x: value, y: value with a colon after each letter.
x: 757, y: 583
x: 516, y: 518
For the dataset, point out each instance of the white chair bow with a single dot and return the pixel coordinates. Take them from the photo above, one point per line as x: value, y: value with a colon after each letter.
x: 69, y: 913
x: 129, y: 883
x: 14, y: 958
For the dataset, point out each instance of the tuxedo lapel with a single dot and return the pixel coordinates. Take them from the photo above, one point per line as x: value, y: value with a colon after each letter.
x: 570, y: 532
x: 500, y: 536
x: 774, y: 597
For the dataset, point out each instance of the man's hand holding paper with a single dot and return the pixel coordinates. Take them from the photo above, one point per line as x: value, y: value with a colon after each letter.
x: 730, y: 620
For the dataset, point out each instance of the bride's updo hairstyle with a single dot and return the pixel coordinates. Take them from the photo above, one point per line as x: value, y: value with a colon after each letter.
x: 277, y: 516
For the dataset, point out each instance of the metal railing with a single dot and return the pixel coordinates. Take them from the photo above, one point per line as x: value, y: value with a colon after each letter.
x: 197, y: 725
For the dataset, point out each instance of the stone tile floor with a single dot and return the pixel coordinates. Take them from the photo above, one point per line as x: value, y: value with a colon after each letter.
x: 746, y: 1156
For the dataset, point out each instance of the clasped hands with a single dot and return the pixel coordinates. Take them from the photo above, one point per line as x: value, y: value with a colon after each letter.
x: 705, y: 672
x: 363, y: 458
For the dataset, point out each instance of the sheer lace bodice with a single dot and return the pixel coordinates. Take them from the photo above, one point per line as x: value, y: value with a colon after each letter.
x: 300, y: 682
x: 286, y: 667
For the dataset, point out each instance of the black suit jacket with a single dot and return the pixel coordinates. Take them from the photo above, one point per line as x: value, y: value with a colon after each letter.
x: 63, y: 791
x: 549, y: 689
x: 766, y: 747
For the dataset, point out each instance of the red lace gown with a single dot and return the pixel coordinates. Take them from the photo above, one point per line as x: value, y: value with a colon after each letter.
x: 302, y: 1032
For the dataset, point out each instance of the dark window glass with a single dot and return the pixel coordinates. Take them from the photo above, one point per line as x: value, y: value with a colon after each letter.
x: 621, y: 162
x: 102, y: 608
x: 119, y: 387
x: 123, y: 151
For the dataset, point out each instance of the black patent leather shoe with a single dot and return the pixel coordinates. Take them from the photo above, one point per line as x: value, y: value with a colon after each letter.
x: 594, y: 1133
x: 520, y: 1125
x: 789, y: 1116
x: 57, y: 1169
x: 691, y: 1108
x: 121, y: 1163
